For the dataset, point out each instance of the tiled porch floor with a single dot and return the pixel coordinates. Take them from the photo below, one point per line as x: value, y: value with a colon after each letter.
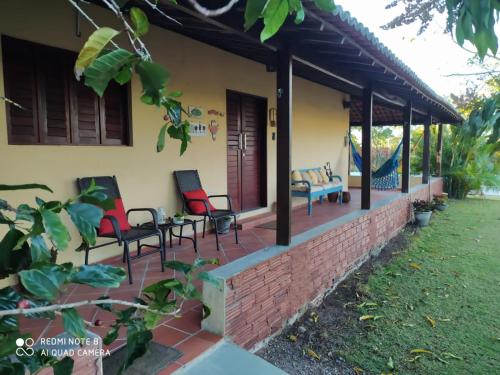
x: 185, y: 333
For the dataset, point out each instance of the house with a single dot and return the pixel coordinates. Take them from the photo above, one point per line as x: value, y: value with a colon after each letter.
x: 292, y: 98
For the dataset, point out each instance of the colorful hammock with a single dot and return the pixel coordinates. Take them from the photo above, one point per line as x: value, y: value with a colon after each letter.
x: 386, y: 177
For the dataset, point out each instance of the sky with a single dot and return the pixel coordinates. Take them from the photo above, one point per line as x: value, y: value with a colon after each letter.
x: 432, y: 55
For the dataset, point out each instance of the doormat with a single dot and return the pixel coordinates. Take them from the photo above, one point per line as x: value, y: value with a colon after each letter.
x: 270, y: 225
x: 156, y: 359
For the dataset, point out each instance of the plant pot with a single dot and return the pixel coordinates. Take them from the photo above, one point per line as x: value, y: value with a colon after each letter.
x: 178, y: 220
x: 224, y: 224
x: 422, y: 218
x: 441, y: 207
x: 332, y: 197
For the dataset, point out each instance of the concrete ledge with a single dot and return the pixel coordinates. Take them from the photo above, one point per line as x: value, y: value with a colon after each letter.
x: 229, y: 359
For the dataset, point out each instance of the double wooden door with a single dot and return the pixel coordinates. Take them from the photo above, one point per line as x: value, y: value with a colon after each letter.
x: 246, y: 150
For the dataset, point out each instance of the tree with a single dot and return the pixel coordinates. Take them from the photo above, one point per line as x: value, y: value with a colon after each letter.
x: 471, y: 20
x: 475, y: 94
x: 471, y: 151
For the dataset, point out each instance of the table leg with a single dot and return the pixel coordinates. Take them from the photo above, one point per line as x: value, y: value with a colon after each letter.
x: 170, y: 236
x: 164, y: 240
x: 195, y: 239
x: 180, y: 234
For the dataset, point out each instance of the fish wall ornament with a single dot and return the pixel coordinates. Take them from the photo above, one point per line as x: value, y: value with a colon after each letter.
x: 215, y: 112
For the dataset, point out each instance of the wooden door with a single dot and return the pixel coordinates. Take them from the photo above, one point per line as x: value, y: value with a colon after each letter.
x: 246, y: 150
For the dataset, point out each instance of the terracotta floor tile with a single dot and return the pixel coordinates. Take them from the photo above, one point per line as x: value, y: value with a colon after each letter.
x: 168, y: 336
x: 208, y: 336
x: 190, y: 322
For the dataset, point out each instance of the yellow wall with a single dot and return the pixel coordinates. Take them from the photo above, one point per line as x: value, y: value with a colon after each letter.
x: 203, y: 73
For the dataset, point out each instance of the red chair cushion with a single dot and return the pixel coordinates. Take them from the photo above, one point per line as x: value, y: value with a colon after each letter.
x: 198, y: 207
x: 119, y: 214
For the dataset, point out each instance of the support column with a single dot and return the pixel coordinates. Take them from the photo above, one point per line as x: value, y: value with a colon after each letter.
x: 426, y: 151
x: 366, y: 145
x: 405, y: 181
x: 283, y: 145
x: 439, y: 151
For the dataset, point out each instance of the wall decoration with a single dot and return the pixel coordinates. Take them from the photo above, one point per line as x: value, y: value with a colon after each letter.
x: 197, y: 129
x: 195, y: 111
x: 214, y: 112
x: 214, y: 128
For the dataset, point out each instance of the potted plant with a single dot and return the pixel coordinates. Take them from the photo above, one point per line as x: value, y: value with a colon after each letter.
x: 423, y: 212
x: 178, y: 218
x: 224, y: 224
x: 439, y: 203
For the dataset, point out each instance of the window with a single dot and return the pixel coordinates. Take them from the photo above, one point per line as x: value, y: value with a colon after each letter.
x: 58, y: 108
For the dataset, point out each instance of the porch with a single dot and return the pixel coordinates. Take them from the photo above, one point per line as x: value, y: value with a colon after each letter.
x: 255, y: 250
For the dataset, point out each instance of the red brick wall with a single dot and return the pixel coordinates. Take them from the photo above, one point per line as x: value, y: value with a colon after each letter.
x: 261, y: 299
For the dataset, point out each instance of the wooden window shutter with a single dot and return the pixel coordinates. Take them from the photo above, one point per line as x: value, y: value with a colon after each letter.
x: 114, y: 115
x: 53, y: 98
x: 85, y: 114
x: 20, y: 86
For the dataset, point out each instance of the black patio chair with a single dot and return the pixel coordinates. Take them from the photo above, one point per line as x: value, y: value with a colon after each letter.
x: 128, y: 235
x: 189, y: 181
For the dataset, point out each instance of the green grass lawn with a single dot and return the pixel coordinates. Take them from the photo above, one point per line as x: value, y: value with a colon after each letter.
x: 442, y: 296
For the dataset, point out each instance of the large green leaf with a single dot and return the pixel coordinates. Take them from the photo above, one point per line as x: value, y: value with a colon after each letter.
x: 138, y: 338
x: 99, y: 276
x: 106, y: 67
x: 200, y: 262
x: 73, y: 323
x: 296, y: 6
x: 209, y: 278
x: 64, y: 366
x: 12, y: 261
x: 274, y: 16
x: 93, y: 47
x: 9, y: 299
x: 25, y: 212
x: 326, y: 5
x: 111, y: 336
x: 86, y: 217
x: 185, y: 268
x: 8, y: 343
x: 253, y: 11
x: 11, y: 368
x: 24, y: 187
x: 55, y: 229
x: 46, y: 281
x: 140, y: 21
x: 39, y: 251
x: 154, y: 78
x: 160, y: 144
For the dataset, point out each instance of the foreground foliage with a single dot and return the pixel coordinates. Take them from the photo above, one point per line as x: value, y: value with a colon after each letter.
x: 34, y: 235
x: 469, y: 20
x: 437, y: 303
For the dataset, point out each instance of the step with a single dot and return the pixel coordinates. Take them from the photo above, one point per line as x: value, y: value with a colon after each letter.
x: 255, y: 221
x: 226, y: 358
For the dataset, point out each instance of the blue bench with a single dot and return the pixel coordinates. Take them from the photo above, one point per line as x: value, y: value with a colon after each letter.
x: 305, y: 189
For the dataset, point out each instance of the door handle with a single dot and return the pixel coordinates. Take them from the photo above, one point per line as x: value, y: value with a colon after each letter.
x: 240, y: 141
x: 244, y: 141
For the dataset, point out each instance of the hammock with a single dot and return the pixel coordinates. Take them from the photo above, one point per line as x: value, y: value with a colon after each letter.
x: 386, y: 177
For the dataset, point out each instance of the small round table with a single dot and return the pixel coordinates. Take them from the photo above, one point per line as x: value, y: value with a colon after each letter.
x: 169, y: 225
